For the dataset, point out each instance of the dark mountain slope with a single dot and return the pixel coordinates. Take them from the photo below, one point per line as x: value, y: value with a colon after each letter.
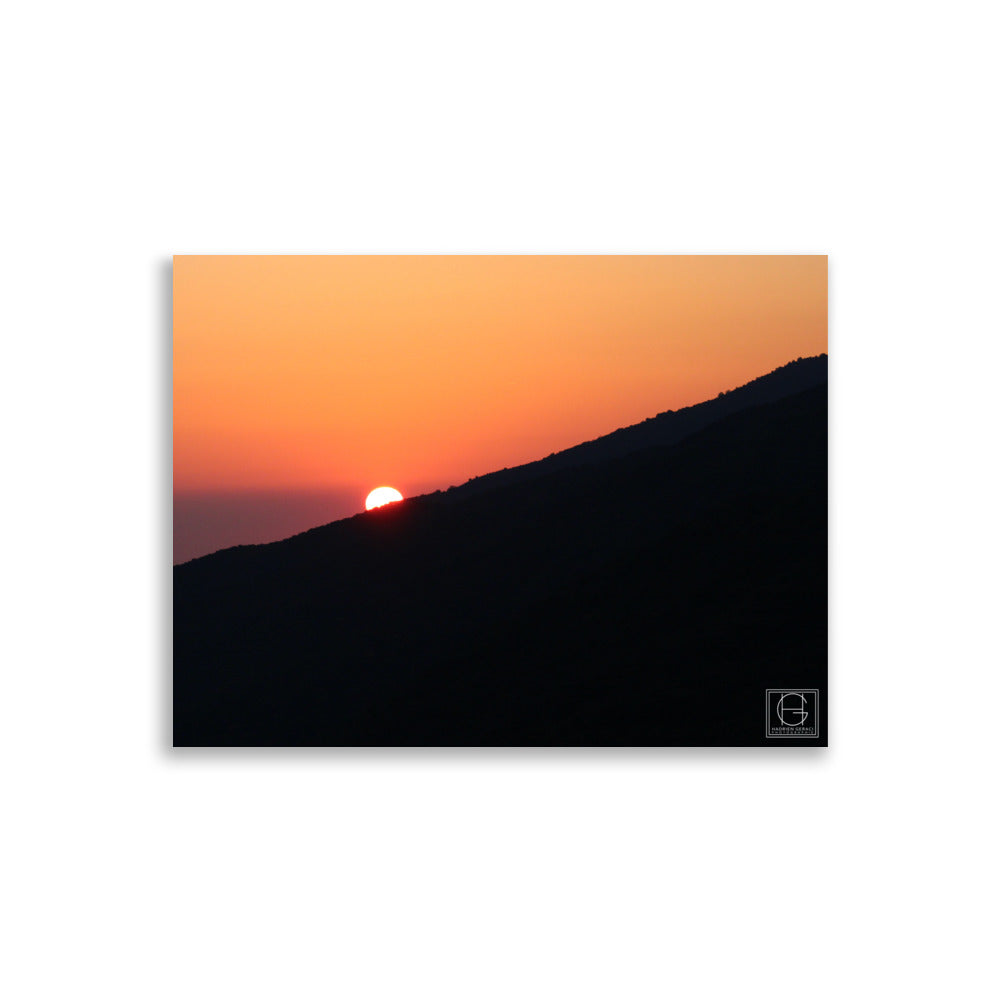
x: 663, y: 429
x: 646, y: 599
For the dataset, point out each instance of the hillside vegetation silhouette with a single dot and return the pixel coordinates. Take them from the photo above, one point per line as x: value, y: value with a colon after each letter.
x: 643, y: 589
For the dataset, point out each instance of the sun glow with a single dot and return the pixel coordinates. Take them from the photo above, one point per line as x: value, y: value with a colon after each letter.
x: 382, y: 495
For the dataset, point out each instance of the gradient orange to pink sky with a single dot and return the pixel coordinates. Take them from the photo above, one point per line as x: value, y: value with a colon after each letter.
x: 342, y: 373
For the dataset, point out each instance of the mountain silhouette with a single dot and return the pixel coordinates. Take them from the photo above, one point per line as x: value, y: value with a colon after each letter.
x: 664, y: 428
x: 644, y: 589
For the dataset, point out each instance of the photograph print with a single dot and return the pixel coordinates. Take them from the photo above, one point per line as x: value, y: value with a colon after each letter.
x: 500, y: 501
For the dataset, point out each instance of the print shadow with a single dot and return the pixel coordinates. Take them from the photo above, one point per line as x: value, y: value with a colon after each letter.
x: 162, y: 392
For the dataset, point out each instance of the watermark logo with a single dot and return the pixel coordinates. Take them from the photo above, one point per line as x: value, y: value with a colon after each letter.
x: 792, y: 713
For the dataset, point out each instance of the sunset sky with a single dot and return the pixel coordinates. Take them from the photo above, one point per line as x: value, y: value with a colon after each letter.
x: 306, y: 374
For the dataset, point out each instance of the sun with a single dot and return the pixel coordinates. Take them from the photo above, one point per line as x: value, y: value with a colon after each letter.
x: 381, y: 496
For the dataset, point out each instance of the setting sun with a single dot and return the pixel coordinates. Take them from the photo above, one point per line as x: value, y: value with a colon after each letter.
x: 382, y: 495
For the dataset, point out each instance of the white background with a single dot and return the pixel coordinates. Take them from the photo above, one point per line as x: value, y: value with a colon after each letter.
x: 133, y: 131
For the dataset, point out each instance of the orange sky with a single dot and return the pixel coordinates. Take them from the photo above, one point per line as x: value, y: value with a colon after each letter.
x: 419, y: 372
